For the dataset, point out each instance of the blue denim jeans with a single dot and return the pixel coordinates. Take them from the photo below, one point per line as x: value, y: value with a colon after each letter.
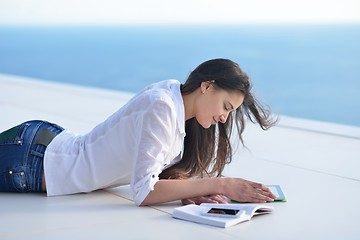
x: 22, y: 151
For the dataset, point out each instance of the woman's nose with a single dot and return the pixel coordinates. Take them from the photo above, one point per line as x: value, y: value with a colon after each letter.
x: 222, y: 118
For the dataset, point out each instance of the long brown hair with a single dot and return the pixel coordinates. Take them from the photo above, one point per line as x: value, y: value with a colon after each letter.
x: 200, y: 144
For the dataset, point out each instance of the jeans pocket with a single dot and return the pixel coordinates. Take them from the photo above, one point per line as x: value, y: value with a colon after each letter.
x: 13, y: 135
x: 19, y: 180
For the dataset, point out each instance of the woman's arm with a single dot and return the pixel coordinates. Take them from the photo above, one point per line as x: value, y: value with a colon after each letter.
x: 234, y: 188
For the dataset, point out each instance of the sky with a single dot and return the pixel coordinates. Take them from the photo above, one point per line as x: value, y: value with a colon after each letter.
x: 164, y: 12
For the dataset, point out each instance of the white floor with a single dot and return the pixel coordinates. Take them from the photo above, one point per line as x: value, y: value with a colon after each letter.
x: 317, y: 165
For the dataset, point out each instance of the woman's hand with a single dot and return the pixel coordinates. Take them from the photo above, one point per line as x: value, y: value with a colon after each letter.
x: 242, y: 190
x: 213, y: 190
x: 204, y: 199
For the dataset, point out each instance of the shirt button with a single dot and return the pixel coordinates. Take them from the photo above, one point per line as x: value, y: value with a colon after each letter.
x: 10, y: 172
x: 22, y: 173
x: 153, y: 176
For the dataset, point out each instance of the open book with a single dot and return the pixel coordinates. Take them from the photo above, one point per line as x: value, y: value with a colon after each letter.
x: 197, y: 213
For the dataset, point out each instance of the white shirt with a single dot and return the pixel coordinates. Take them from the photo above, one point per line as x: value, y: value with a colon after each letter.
x: 132, y: 146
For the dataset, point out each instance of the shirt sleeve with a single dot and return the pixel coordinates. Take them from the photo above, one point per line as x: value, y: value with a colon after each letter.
x: 156, y: 134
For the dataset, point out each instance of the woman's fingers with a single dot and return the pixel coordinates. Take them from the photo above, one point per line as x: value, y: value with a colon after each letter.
x: 204, y: 199
x: 261, y: 197
x: 187, y: 201
x: 264, y: 190
x: 218, y: 199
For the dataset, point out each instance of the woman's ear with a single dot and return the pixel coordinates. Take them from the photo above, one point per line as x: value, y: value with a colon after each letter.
x: 206, y: 85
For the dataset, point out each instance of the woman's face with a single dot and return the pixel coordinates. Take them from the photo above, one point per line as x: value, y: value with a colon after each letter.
x: 215, y: 104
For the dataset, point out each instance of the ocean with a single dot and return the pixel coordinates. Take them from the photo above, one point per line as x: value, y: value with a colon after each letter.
x: 304, y: 71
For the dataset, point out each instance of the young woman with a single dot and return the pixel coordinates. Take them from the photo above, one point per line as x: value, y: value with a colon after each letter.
x: 169, y: 142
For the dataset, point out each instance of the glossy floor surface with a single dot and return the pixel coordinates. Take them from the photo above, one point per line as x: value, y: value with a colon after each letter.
x: 316, y: 164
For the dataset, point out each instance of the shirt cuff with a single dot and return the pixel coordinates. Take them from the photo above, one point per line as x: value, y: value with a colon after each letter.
x: 141, y: 192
